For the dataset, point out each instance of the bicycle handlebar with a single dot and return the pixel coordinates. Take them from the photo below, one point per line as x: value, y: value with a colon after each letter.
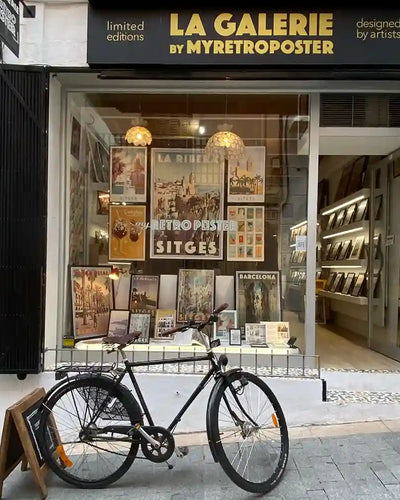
x: 193, y: 324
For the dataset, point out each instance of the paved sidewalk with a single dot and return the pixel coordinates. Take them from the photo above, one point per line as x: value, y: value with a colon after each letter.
x: 336, y: 462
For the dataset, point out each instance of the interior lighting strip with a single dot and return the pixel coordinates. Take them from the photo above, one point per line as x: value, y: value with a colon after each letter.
x: 298, y: 225
x: 342, y: 232
x: 340, y: 267
x: 345, y: 204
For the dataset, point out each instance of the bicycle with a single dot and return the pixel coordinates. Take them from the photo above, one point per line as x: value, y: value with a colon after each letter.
x: 91, y: 424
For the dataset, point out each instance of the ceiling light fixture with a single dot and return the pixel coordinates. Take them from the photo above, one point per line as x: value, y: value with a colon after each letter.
x: 224, y: 144
x: 138, y: 134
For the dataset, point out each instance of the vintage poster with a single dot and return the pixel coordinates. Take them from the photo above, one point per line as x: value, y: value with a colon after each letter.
x: 140, y: 322
x: 92, y: 300
x: 143, y: 296
x: 118, y: 323
x: 227, y: 319
x: 195, y: 294
x: 255, y: 333
x: 186, y: 205
x: 258, y: 296
x: 246, y: 242
x: 246, y: 178
x: 128, y: 174
x: 76, y: 217
x: 165, y: 320
x: 277, y: 332
x: 127, y: 232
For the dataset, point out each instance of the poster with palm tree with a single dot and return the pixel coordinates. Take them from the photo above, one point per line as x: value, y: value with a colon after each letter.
x: 246, y: 179
x: 92, y: 300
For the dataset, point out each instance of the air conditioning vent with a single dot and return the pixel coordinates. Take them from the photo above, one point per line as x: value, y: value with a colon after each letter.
x: 360, y: 110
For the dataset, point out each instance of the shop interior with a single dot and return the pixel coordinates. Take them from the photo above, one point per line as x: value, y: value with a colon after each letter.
x: 360, y: 180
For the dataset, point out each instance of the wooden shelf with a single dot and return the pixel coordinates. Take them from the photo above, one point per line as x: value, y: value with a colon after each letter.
x: 348, y: 199
x: 361, y: 301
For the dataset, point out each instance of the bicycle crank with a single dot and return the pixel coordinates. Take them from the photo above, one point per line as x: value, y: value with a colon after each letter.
x: 157, y: 443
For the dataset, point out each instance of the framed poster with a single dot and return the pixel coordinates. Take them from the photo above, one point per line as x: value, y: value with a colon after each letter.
x: 358, y: 285
x: 103, y: 202
x: 195, y: 294
x: 340, y: 218
x: 227, y: 319
x: 357, y: 248
x: 143, y: 294
x: 118, y: 322
x: 349, y: 214
x: 344, y: 251
x: 329, y: 281
x: 77, y: 226
x: 258, y: 296
x: 331, y: 221
x: 75, y: 138
x: 127, y: 232
x: 92, y: 300
x: 187, y: 205
x: 165, y: 320
x: 128, y: 174
x: 277, y: 332
x: 246, y: 177
x: 140, y: 322
x: 235, y: 336
x: 246, y: 243
x: 255, y: 333
x: 346, y: 289
x: 361, y: 210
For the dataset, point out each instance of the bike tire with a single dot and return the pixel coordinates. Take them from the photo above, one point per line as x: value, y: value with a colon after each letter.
x: 81, y: 396
x: 226, y: 435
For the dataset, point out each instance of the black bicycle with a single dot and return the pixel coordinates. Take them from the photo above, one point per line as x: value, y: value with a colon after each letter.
x: 92, y: 426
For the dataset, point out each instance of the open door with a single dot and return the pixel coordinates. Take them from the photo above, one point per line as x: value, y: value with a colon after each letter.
x: 23, y: 215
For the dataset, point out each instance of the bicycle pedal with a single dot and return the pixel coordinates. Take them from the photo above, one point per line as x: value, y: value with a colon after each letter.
x: 181, y: 451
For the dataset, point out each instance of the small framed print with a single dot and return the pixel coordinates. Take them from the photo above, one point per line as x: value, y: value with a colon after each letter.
x: 349, y: 214
x: 337, y: 282
x: 346, y: 289
x: 255, y: 333
x: 333, y: 254
x: 344, y: 251
x: 143, y: 294
x: 118, y: 323
x: 340, y: 218
x: 361, y: 211
x: 329, y: 281
x: 358, y: 285
x: 331, y: 221
x: 140, y: 322
x: 165, y: 320
x: 226, y: 320
x: 325, y: 251
x: 235, y: 337
x: 357, y: 248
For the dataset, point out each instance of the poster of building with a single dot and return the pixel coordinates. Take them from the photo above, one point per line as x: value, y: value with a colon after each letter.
x: 258, y: 296
x: 246, y: 242
x: 92, y: 300
x: 195, y: 294
x: 246, y: 177
x: 128, y: 174
x: 127, y: 232
x: 186, y: 205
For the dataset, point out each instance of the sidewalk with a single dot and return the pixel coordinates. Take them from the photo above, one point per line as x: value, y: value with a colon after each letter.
x: 358, y: 461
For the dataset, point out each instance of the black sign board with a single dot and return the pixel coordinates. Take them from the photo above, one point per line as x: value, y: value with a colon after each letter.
x: 231, y: 37
x: 9, y: 24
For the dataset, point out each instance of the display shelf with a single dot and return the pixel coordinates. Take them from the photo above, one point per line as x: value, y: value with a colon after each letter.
x: 345, y: 263
x: 354, y: 227
x: 348, y: 200
x: 361, y: 301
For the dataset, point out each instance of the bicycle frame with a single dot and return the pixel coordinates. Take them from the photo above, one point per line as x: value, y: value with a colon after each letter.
x: 214, y: 369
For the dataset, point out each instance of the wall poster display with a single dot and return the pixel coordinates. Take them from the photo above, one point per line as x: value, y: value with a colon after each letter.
x: 126, y: 232
x: 165, y: 320
x: 128, y: 174
x: 195, y: 294
x: 246, y: 243
x: 143, y: 295
x: 92, y: 300
x: 246, y: 177
x: 258, y: 296
x: 186, y: 205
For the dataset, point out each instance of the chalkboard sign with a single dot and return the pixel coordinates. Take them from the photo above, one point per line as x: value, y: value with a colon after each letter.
x: 19, y: 441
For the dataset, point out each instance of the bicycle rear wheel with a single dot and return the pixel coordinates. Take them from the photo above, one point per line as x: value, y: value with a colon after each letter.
x: 249, y: 432
x: 72, y: 441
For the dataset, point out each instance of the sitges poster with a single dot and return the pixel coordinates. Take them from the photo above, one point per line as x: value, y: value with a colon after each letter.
x: 186, y: 205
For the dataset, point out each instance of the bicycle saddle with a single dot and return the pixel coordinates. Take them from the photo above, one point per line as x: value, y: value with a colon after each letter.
x: 122, y: 340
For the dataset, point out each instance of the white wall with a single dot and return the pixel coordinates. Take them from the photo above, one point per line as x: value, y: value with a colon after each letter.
x: 55, y: 37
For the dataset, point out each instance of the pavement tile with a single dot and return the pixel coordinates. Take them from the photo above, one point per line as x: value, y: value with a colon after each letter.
x: 383, y: 473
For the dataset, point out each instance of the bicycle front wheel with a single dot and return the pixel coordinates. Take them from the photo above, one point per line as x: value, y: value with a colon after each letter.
x: 249, y: 432
x: 79, y: 436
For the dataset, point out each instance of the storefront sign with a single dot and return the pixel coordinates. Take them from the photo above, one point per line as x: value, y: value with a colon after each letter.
x: 121, y: 37
x: 9, y: 24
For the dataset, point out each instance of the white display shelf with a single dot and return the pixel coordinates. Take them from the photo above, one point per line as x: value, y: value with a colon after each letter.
x: 361, y: 301
x: 350, y: 229
x: 362, y: 193
x: 345, y: 263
